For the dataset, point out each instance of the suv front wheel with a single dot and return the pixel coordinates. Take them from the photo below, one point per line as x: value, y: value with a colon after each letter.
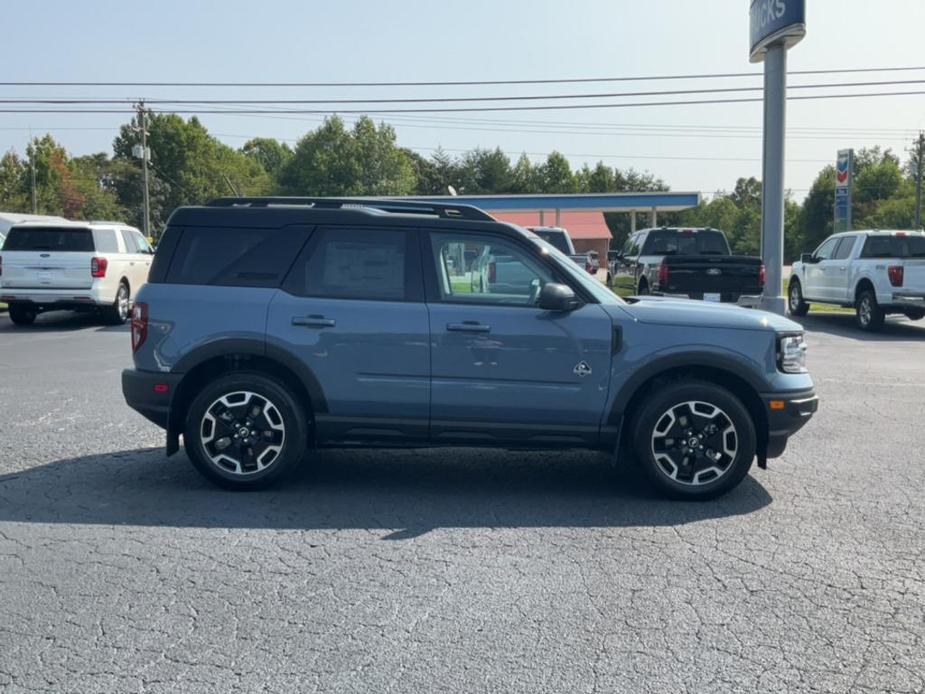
x: 245, y: 431
x: 694, y: 440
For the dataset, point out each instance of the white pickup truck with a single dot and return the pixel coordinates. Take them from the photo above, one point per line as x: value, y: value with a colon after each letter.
x: 875, y: 272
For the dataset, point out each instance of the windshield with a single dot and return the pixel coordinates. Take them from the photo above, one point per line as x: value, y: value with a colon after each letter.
x: 567, y: 265
x: 685, y: 242
x: 49, y: 239
x: 555, y: 238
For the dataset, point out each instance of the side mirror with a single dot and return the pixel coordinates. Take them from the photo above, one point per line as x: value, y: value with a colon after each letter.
x: 557, y: 297
x: 806, y: 258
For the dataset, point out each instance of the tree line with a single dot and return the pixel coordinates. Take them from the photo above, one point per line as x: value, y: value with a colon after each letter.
x: 189, y: 166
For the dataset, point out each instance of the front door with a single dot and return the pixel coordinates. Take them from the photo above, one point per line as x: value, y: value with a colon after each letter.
x: 352, y: 312
x: 818, y: 284
x: 503, y: 370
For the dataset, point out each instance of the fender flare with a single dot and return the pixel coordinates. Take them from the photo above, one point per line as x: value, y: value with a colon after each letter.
x: 676, y: 360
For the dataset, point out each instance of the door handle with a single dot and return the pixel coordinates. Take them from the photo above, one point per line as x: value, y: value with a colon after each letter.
x: 313, y: 321
x: 469, y: 326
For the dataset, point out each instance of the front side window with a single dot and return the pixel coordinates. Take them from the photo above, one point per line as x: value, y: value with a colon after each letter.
x: 342, y: 263
x: 500, y: 272
x: 824, y: 252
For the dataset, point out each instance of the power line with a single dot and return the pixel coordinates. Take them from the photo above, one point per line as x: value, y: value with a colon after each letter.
x: 454, y: 99
x: 469, y: 109
x: 453, y: 83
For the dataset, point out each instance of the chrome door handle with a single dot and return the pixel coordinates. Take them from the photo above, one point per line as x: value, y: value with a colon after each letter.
x: 313, y: 321
x: 469, y: 326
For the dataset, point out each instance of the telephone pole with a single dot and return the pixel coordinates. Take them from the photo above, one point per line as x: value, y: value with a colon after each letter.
x: 919, y: 166
x: 143, y: 153
x: 35, y: 203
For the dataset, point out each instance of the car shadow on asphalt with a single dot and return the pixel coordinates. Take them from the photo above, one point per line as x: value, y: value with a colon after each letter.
x: 896, y: 329
x: 61, y: 321
x: 403, y: 493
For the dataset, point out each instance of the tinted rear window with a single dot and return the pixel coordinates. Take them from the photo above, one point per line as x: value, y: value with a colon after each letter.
x: 556, y: 238
x: 49, y: 239
x: 894, y: 247
x: 674, y: 242
x: 249, y: 257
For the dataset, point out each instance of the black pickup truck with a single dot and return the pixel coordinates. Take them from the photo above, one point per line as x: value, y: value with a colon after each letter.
x: 696, y: 263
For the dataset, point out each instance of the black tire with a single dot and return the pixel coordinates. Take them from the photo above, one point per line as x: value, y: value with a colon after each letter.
x: 121, y: 307
x: 22, y: 315
x: 867, y: 312
x: 288, y: 426
x: 730, y: 426
x: 796, y: 306
x: 915, y: 313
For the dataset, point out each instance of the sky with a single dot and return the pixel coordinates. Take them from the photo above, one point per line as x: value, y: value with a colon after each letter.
x: 694, y: 147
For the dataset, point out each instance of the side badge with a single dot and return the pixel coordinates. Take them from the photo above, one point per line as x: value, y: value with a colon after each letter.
x: 582, y: 369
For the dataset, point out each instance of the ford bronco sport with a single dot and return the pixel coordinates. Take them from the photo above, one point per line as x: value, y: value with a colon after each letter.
x: 271, y: 326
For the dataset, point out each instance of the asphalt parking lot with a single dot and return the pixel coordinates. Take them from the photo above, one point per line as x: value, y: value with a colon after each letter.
x: 458, y: 571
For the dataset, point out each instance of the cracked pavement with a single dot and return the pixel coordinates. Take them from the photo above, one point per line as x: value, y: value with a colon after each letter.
x: 455, y: 570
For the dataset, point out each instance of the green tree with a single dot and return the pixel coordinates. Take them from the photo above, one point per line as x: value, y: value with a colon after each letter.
x: 557, y: 176
x: 271, y: 154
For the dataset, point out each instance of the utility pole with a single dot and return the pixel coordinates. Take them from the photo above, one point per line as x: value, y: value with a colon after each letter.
x: 919, y: 166
x: 143, y: 153
x: 35, y: 204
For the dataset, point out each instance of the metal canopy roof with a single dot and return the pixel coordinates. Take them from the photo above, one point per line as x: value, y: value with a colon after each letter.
x: 591, y: 202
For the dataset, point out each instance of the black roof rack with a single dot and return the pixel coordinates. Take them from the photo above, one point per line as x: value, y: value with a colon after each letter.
x: 437, y: 209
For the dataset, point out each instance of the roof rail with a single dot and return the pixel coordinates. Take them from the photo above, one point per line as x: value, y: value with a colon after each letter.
x: 395, y: 206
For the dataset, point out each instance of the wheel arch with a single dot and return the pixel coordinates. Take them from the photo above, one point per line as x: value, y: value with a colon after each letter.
x: 705, y: 367
x: 229, y: 356
x: 864, y: 283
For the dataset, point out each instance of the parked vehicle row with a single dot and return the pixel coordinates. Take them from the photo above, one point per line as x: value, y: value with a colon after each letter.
x: 80, y: 266
x: 877, y: 273
x: 270, y: 327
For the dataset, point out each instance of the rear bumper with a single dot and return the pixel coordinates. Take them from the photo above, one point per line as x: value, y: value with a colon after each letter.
x: 747, y: 300
x: 58, y: 298
x: 908, y: 299
x: 138, y: 388
x: 783, y: 422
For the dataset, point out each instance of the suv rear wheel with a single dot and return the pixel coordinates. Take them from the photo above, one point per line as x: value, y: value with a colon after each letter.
x: 22, y: 315
x: 245, y: 431
x: 119, y: 312
x: 694, y: 440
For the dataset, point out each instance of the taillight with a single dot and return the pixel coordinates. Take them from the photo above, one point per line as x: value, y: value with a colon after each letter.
x: 492, y: 273
x: 897, y: 274
x: 139, y: 325
x: 663, y: 275
x: 762, y: 276
x: 589, y: 266
x: 98, y: 267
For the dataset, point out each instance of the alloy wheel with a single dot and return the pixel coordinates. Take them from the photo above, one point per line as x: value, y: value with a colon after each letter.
x: 694, y: 443
x: 243, y: 433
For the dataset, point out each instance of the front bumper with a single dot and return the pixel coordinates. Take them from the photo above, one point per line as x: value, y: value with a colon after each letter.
x: 784, y: 421
x: 150, y: 393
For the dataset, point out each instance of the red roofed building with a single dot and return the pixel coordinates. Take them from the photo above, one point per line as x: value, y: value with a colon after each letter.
x: 588, y: 230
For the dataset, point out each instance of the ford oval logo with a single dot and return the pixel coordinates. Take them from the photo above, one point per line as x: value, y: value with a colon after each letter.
x: 45, y: 255
x: 714, y: 272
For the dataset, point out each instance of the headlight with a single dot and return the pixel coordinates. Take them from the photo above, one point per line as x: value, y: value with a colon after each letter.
x: 791, y: 354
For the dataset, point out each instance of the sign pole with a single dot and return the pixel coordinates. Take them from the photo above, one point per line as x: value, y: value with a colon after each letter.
x: 775, y: 26
x: 772, y: 195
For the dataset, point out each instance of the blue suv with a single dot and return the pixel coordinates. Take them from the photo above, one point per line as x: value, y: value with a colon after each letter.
x: 273, y: 326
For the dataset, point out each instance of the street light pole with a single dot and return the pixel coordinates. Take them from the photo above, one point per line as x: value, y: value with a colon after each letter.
x: 919, y: 167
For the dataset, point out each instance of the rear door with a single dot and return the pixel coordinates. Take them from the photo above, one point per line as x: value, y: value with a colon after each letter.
x: 352, y: 310
x: 138, y: 261
x: 48, y: 257
x: 504, y: 370
x: 625, y: 275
